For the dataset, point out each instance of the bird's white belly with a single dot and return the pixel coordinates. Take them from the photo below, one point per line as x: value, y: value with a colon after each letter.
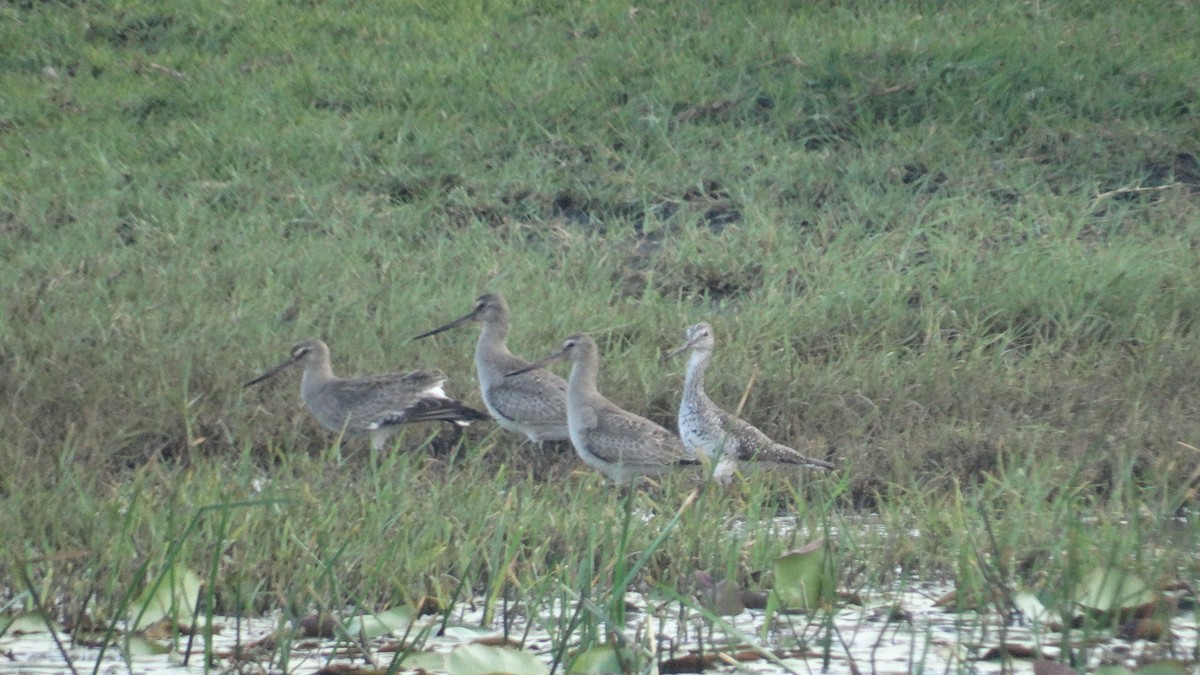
x: 698, y: 439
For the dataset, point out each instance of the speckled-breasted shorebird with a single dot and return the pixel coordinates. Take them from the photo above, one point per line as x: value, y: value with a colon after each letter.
x: 613, y: 441
x: 533, y: 403
x: 375, y: 405
x: 722, y: 437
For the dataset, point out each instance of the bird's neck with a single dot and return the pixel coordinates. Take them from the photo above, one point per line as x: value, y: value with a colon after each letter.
x: 491, y: 339
x: 693, y: 383
x: 583, y: 378
x: 315, y: 376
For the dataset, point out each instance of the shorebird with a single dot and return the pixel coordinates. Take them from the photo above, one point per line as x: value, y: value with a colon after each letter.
x: 613, y: 441
x: 375, y: 405
x: 720, y: 436
x: 533, y: 403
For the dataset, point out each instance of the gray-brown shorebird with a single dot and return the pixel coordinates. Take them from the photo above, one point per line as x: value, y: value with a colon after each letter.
x: 533, y: 403
x: 720, y: 436
x: 613, y: 441
x: 376, y: 405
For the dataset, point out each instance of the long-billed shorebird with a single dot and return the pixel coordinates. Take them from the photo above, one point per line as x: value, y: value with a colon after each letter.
x: 613, y: 441
x: 720, y: 436
x: 533, y: 403
x: 375, y: 405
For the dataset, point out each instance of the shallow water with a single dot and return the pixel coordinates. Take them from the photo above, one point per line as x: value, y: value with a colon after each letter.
x: 921, y: 637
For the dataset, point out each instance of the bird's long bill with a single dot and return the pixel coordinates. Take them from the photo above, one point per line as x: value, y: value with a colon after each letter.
x: 681, y: 348
x: 270, y: 373
x: 441, y: 329
x: 534, y: 366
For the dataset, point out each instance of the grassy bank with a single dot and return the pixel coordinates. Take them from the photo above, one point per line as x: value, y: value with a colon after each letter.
x: 956, y: 245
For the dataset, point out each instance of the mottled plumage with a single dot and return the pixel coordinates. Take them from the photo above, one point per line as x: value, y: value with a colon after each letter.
x: 533, y: 403
x: 722, y: 437
x: 375, y: 405
x: 613, y: 441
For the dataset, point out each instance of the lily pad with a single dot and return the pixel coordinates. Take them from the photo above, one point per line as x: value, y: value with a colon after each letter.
x: 469, y: 633
x: 474, y: 659
x: 173, y: 598
x: 394, y: 620
x: 1033, y: 609
x: 25, y: 623
x: 803, y: 580
x: 1107, y: 589
x: 804, y: 577
x: 140, y: 646
x: 600, y: 659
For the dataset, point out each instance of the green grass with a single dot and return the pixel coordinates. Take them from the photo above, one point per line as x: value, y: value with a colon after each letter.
x: 924, y: 232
